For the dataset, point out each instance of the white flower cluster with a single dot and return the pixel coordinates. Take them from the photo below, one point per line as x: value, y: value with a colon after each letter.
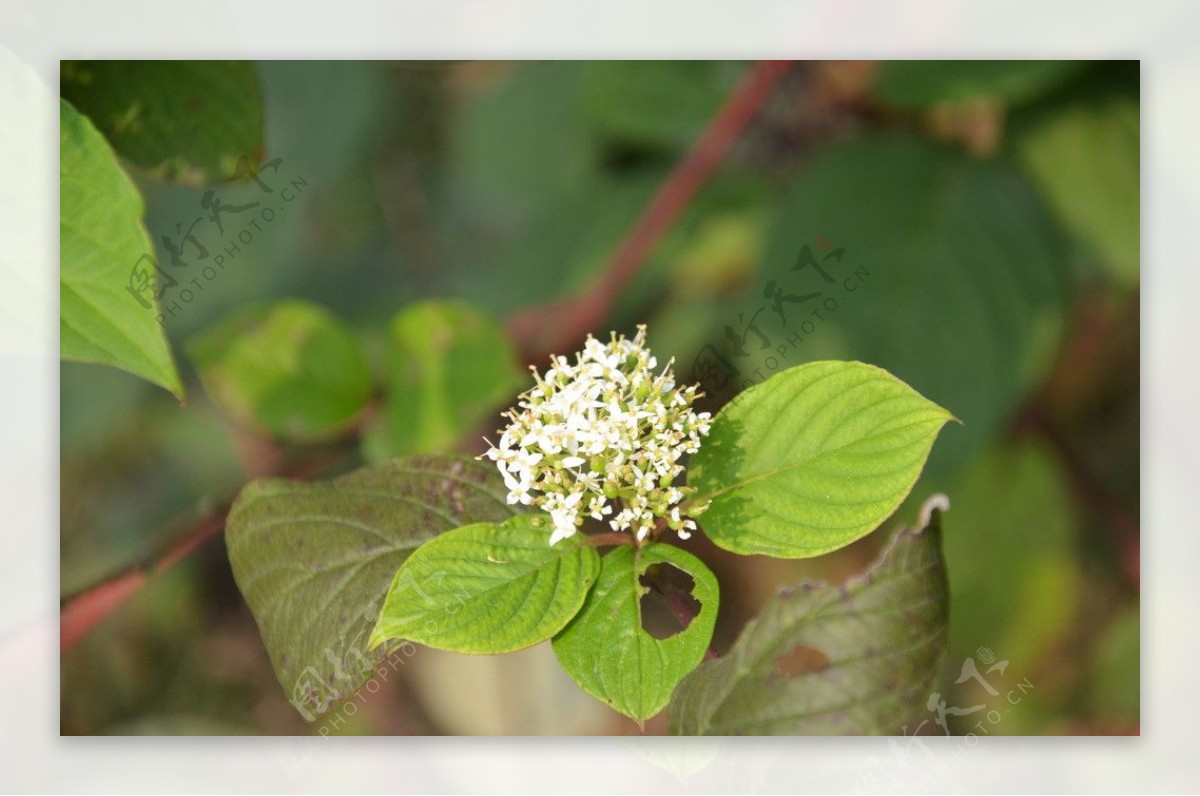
x: 606, y: 430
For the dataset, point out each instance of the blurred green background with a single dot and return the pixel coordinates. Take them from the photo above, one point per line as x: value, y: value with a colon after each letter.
x: 974, y: 224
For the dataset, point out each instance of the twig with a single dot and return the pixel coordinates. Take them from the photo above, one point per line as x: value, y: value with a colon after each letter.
x: 559, y: 325
x: 83, y: 611
x: 538, y: 331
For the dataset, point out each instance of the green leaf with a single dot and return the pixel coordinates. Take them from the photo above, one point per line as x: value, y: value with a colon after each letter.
x: 1114, y: 672
x: 106, y: 315
x: 856, y: 659
x: 449, y: 367
x: 314, y: 560
x: 1085, y: 159
x: 497, y: 151
x: 812, y: 459
x: 928, y: 82
x: 607, y: 650
x: 190, y: 121
x: 487, y: 588
x: 655, y: 104
x: 1016, y: 581
x: 952, y: 277
x: 291, y: 369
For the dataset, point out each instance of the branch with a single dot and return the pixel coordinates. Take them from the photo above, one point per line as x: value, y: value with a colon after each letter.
x: 538, y: 332
x: 83, y: 611
x: 560, y: 325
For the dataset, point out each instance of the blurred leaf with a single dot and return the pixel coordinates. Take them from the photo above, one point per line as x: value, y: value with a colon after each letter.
x: 290, y: 368
x: 856, y: 659
x: 607, y: 650
x: 659, y: 104
x: 720, y: 257
x: 488, y: 588
x: 179, y: 724
x: 189, y: 121
x: 1015, y: 578
x: 1114, y: 684
x: 314, y: 560
x: 523, y: 140
x: 928, y: 82
x: 554, y: 247
x: 948, y: 274
x: 449, y: 367
x: 1085, y: 159
x: 104, y: 316
x: 811, y: 460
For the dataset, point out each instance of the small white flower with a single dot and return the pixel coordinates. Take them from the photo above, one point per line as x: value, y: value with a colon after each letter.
x: 608, y: 429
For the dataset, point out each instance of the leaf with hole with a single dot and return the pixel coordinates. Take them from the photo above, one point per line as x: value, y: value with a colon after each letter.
x: 108, y: 281
x: 860, y: 658
x: 609, y: 651
x: 812, y: 459
x: 487, y: 588
x: 314, y: 560
x: 291, y: 369
x: 190, y: 121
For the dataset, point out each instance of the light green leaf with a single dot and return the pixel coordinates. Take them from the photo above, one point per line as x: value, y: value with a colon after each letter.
x: 927, y: 82
x: 1114, y: 676
x: 1016, y: 581
x: 190, y: 121
x: 857, y: 659
x: 1085, y: 158
x: 487, y: 588
x: 314, y: 560
x: 106, y: 310
x: 607, y: 650
x: 291, y: 369
x: 449, y: 368
x: 812, y: 459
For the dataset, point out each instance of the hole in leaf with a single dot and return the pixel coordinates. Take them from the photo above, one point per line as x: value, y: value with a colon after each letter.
x: 800, y: 660
x: 668, y: 606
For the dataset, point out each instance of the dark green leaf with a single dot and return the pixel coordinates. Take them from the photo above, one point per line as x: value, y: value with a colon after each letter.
x: 927, y: 82
x: 813, y: 459
x: 857, y: 659
x: 107, y: 311
x: 314, y: 560
x: 951, y: 276
x: 190, y: 121
x: 291, y: 369
x: 658, y: 104
x: 608, y: 651
x: 488, y: 588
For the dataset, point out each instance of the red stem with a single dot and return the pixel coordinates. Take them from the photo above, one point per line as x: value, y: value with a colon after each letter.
x: 559, y: 325
x: 84, y: 611
x: 567, y: 322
